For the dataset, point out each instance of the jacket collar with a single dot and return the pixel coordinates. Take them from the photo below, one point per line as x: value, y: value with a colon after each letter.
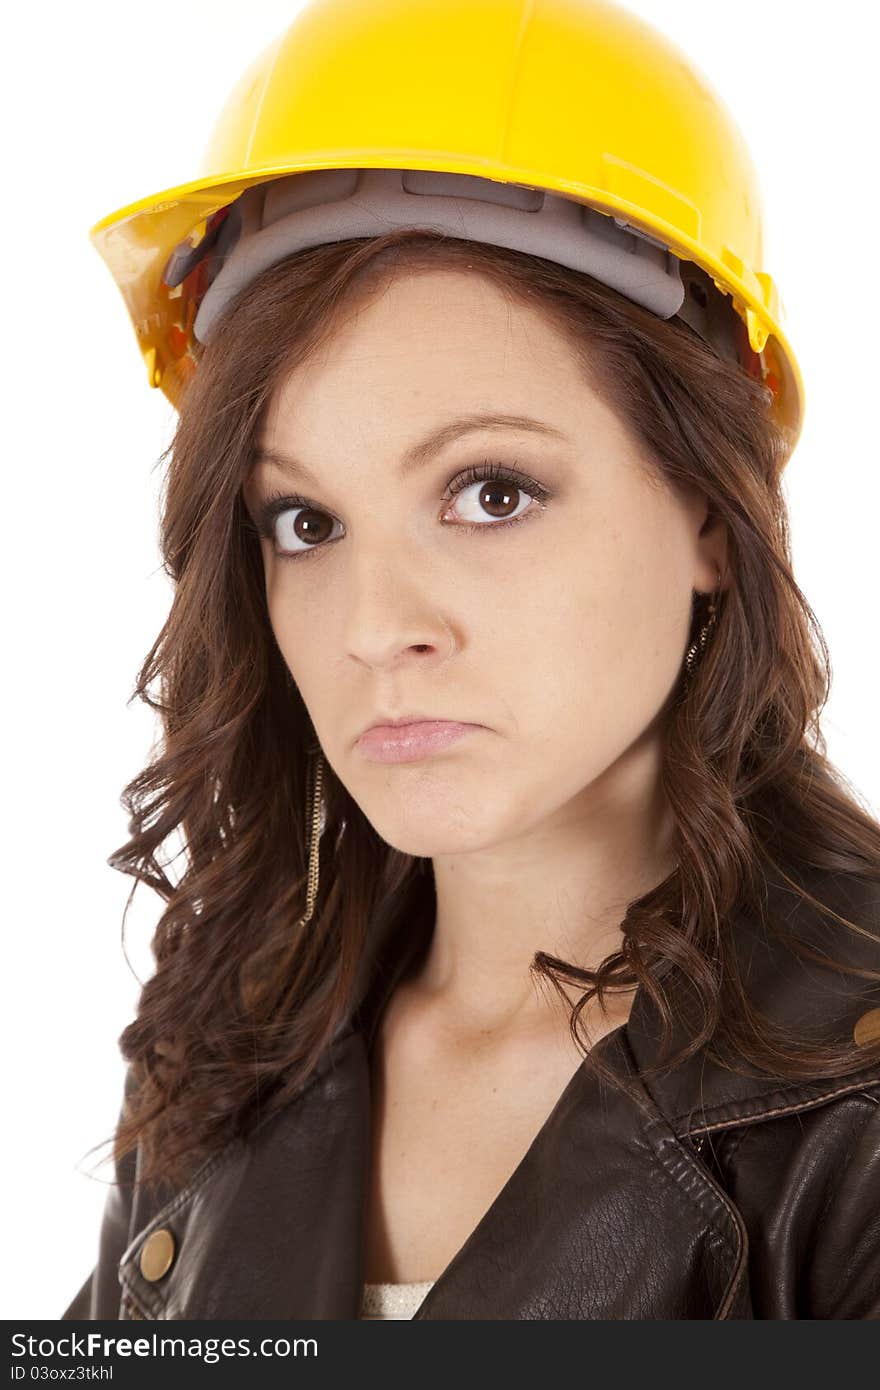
x: 610, y: 1214
x: 709, y: 1092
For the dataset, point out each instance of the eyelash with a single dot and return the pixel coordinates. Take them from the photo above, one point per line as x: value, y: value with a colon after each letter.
x: 277, y: 502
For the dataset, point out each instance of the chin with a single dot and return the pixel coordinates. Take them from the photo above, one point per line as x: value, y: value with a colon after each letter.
x: 427, y: 815
x: 430, y: 835
x: 426, y: 845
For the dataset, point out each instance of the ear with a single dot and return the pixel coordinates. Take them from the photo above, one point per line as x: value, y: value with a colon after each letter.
x: 712, y: 552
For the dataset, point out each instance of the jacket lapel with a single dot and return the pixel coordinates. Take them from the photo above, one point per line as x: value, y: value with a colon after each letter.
x: 713, y: 1089
x: 270, y: 1229
x: 609, y: 1215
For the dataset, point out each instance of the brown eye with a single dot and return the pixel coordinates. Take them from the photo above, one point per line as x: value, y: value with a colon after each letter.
x: 293, y: 525
x: 488, y: 501
x: 302, y: 524
x: 297, y: 528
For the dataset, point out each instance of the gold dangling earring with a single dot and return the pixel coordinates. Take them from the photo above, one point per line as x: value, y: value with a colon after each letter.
x: 697, y: 648
x: 313, y: 803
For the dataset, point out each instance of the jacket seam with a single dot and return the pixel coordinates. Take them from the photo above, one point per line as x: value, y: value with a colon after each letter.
x: 150, y: 1303
x: 697, y: 1171
x: 226, y: 1154
x: 744, y: 1127
x: 154, y: 1299
x: 747, y: 1117
x: 219, y: 1160
x: 659, y: 1140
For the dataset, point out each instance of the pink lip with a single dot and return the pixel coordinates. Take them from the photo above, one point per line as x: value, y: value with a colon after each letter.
x: 408, y: 743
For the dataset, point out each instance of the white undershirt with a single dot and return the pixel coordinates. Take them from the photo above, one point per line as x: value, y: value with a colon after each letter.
x: 393, y: 1300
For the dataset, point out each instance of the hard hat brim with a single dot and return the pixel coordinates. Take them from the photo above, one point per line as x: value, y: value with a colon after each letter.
x: 136, y: 240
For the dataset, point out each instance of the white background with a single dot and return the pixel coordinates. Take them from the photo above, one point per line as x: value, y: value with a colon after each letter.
x: 107, y: 102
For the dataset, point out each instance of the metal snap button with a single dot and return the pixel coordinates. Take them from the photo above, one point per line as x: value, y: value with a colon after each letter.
x: 157, y: 1254
x: 867, y: 1029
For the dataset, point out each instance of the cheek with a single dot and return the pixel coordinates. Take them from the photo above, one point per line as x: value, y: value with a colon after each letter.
x: 593, y: 658
x: 295, y: 630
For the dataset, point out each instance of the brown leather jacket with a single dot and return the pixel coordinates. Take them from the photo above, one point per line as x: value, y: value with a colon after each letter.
x: 717, y: 1195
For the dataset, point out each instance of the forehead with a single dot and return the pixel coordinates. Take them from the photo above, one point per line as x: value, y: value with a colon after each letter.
x: 429, y: 339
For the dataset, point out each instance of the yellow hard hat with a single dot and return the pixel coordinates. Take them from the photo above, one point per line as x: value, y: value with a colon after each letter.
x: 491, y: 111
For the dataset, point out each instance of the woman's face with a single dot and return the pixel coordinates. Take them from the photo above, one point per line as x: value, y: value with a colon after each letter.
x: 560, y: 635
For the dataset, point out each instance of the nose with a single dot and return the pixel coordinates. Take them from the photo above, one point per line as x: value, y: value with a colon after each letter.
x: 394, y: 615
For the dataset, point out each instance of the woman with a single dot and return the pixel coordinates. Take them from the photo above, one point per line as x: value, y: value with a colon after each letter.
x: 420, y: 771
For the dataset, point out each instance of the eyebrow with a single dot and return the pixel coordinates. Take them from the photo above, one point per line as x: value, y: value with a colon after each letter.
x: 419, y: 454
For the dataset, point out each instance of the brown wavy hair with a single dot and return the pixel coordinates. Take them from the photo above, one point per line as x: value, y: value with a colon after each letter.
x: 241, y: 1006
